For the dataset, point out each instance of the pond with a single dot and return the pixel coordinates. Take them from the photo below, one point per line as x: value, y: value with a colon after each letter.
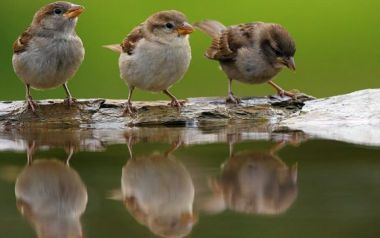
x: 186, y: 182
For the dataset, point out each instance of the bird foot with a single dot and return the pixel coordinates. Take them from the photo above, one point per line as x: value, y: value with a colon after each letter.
x: 129, y: 109
x: 31, y: 104
x: 176, y: 103
x: 283, y: 93
x: 70, y: 101
x: 232, y: 99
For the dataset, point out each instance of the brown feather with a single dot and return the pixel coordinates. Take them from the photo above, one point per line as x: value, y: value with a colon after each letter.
x: 48, y: 9
x: 145, y: 29
x: 115, y: 48
x: 211, y: 27
x: 222, y: 47
x: 130, y: 42
x: 226, y: 42
x: 241, y: 36
x: 22, y: 41
x: 161, y: 18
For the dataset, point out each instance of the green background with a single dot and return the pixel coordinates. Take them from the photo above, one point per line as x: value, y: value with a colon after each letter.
x: 337, y: 45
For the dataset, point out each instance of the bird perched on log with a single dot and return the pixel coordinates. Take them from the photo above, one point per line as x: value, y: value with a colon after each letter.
x: 250, y: 53
x: 49, y: 52
x: 155, y: 55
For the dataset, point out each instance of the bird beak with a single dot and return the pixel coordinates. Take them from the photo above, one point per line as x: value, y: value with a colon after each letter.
x: 185, y: 29
x: 74, y: 11
x: 290, y: 63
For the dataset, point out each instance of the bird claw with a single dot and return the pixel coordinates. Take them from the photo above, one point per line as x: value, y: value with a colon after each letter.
x: 283, y: 93
x: 129, y: 109
x: 70, y: 101
x: 176, y: 103
x: 31, y: 104
x: 232, y: 99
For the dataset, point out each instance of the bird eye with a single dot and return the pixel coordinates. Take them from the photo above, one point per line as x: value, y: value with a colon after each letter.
x: 169, y: 25
x: 58, y: 11
x: 277, y: 52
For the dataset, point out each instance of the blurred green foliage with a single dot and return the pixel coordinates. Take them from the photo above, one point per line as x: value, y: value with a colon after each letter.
x: 337, y: 45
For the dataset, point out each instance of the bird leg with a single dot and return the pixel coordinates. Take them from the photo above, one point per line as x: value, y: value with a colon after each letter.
x: 129, y: 109
x: 231, y: 98
x: 70, y: 101
x: 130, y: 139
x: 29, y: 100
x: 173, y: 147
x: 31, y: 146
x: 70, y: 155
x: 281, y: 92
x: 174, y: 102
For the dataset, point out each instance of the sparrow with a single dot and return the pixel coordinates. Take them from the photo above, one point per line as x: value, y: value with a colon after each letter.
x: 49, y: 52
x: 250, y: 53
x: 254, y: 182
x: 52, y: 197
x: 158, y: 191
x: 155, y: 54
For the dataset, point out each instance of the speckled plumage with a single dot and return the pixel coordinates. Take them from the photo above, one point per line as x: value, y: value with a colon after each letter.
x: 251, y: 53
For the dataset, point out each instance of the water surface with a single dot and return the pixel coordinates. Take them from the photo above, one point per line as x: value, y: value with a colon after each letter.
x: 163, y: 182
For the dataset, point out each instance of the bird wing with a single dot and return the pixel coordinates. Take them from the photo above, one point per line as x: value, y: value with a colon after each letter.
x: 219, y: 33
x: 226, y: 46
x: 130, y: 42
x: 22, y: 41
x: 220, y: 48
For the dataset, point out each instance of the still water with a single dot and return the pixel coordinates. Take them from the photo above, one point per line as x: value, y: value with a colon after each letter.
x: 173, y: 182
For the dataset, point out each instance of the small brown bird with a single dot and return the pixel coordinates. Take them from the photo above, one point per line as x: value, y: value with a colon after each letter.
x: 156, y: 54
x: 250, y: 53
x: 53, y: 197
x: 49, y: 52
x: 255, y: 183
x: 158, y: 192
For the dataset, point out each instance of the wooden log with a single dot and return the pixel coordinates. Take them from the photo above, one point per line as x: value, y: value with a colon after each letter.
x: 105, y: 113
x: 91, y: 125
x: 95, y: 123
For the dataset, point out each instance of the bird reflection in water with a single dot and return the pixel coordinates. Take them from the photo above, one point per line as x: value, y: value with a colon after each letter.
x: 52, y: 197
x: 254, y: 183
x: 158, y: 192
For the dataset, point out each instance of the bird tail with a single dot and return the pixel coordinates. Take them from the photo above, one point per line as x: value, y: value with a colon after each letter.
x: 210, y: 27
x: 116, y: 48
x: 115, y: 194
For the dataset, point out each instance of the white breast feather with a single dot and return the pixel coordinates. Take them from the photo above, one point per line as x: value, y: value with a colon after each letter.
x: 154, y: 66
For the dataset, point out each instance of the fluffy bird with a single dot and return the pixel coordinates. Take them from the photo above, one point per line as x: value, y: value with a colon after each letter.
x: 159, y: 193
x: 155, y: 55
x: 254, y: 183
x: 53, y: 197
x: 250, y: 53
x: 49, y: 52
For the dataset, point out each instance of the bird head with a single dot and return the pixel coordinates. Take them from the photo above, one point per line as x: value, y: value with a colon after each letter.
x: 58, y: 16
x: 174, y: 225
x: 169, y: 25
x: 278, y: 47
